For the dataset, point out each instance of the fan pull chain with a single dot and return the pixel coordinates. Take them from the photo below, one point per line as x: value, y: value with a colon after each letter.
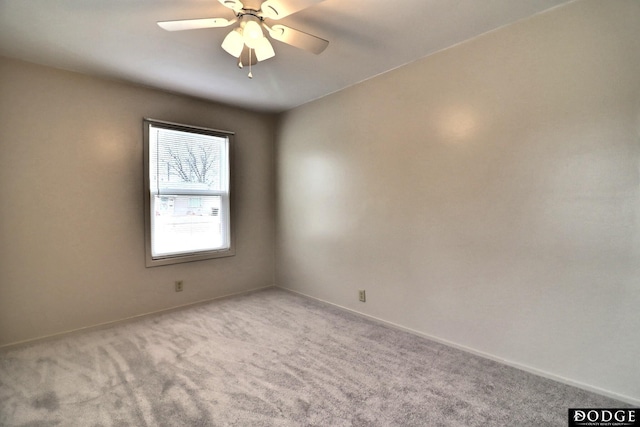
x: 250, y: 61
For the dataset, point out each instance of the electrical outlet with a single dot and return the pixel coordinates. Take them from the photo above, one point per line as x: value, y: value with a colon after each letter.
x: 363, y: 295
x: 179, y: 285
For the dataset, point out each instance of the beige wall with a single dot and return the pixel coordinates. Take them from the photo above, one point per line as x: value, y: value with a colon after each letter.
x: 487, y: 195
x: 71, y: 202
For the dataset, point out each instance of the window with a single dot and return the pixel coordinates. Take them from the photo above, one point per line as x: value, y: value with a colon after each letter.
x: 187, y: 193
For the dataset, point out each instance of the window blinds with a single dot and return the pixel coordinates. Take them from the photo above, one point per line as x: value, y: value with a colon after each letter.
x: 184, y: 163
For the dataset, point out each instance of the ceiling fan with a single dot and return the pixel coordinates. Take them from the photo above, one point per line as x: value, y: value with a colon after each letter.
x: 247, y: 41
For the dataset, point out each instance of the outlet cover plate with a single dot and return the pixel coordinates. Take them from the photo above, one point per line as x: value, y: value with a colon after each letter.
x: 362, y: 295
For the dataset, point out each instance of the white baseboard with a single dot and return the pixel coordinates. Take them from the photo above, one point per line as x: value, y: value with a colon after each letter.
x: 125, y: 320
x: 627, y: 399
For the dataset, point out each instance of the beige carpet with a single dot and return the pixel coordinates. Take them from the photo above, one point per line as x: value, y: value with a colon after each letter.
x: 270, y: 358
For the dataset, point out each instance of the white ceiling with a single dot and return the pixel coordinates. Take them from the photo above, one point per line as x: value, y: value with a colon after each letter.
x: 119, y: 39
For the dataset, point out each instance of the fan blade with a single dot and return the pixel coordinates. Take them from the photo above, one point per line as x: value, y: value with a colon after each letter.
x: 234, y: 5
x: 194, y: 24
x: 277, y: 9
x: 298, y: 39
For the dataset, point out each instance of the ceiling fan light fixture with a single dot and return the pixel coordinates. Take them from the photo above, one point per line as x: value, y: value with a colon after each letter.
x: 251, y: 31
x: 247, y: 42
x: 263, y: 49
x: 248, y: 57
x: 233, y: 43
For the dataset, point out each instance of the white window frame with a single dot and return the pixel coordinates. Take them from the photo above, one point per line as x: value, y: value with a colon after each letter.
x: 227, y: 204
